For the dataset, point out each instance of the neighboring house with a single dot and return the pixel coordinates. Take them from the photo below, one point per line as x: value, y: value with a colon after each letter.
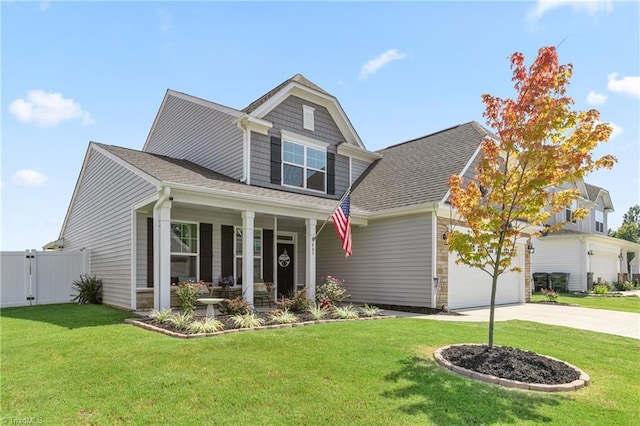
x: 218, y: 191
x: 582, y: 247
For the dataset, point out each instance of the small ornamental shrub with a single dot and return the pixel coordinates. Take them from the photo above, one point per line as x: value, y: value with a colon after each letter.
x: 318, y: 312
x: 283, y: 317
x: 89, y: 290
x: 369, y: 311
x: 551, y: 295
x: 247, y: 321
x: 601, y: 289
x: 205, y: 325
x: 627, y: 285
x: 331, y: 291
x: 297, y: 303
x: 237, y: 306
x: 182, y: 320
x: 162, y: 316
x: 345, y: 312
x: 188, y: 292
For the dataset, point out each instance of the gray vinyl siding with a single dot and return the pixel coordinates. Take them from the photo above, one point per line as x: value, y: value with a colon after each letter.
x: 203, y: 135
x: 391, y: 262
x: 101, y: 220
x: 562, y: 255
x: 357, y: 168
x: 141, y: 250
x: 288, y: 116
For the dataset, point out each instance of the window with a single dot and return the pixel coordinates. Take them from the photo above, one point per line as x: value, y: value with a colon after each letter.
x: 568, y: 213
x: 184, y: 250
x: 599, y: 221
x: 304, y: 166
x: 257, y: 254
x: 308, y: 119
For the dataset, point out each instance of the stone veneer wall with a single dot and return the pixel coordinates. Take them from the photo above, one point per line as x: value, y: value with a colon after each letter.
x: 442, y: 265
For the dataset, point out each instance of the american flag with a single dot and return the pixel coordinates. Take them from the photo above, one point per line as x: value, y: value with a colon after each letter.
x: 342, y: 221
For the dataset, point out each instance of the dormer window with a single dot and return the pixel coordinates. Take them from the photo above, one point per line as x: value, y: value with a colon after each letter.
x: 599, y: 221
x: 304, y: 166
x: 308, y: 119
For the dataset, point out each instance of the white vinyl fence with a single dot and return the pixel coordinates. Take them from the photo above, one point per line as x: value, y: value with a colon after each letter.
x: 39, y: 277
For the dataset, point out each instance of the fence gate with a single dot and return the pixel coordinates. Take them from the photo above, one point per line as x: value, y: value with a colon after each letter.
x: 39, y: 277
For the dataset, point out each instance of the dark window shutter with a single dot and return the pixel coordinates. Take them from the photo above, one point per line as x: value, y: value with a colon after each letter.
x: 206, y: 252
x: 149, y: 252
x: 267, y: 255
x: 226, y: 246
x: 276, y: 160
x: 331, y: 173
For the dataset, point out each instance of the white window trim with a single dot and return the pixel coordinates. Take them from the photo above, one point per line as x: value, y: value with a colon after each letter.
x: 197, y: 252
x: 237, y: 256
x: 601, y: 222
x: 304, y: 142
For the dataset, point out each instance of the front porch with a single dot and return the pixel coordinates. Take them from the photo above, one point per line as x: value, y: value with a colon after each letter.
x: 181, y: 237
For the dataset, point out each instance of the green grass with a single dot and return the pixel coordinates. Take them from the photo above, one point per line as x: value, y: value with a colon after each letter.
x: 624, y: 304
x: 71, y: 364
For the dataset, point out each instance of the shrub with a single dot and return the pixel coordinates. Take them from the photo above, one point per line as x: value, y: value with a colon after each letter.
x: 318, y: 312
x: 551, y: 295
x: 601, y: 288
x: 188, y: 292
x: 162, y: 316
x: 205, y: 325
x: 345, y: 312
x: 627, y: 285
x: 297, y: 303
x: 283, y: 317
x: 237, y: 306
x: 369, y: 311
x: 181, y: 321
x: 89, y: 290
x: 247, y: 321
x: 331, y: 291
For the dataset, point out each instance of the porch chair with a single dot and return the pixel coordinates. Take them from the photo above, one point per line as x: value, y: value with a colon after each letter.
x: 261, y: 293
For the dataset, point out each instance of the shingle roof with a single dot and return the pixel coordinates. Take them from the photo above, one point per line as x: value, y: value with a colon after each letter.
x: 592, y: 191
x: 298, y: 78
x: 417, y: 171
x: 171, y: 170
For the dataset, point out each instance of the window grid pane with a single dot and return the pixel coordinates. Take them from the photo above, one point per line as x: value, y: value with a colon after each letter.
x: 292, y: 175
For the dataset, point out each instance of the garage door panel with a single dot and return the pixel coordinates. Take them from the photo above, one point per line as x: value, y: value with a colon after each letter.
x: 471, y: 287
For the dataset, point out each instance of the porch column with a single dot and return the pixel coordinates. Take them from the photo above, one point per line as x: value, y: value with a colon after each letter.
x: 162, y: 254
x: 247, y: 255
x: 275, y: 259
x: 310, y: 259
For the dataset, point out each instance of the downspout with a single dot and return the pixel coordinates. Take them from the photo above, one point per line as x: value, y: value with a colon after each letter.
x: 246, y: 150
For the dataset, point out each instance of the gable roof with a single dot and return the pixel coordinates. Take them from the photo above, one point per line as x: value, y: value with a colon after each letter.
x: 595, y: 191
x: 298, y: 78
x: 417, y: 171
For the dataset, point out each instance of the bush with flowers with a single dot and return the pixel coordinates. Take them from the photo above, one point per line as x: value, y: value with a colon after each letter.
x: 188, y: 292
x: 330, y: 292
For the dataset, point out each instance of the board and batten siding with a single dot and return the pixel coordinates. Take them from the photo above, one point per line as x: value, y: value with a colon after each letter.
x: 200, y: 134
x: 100, y: 220
x: 561, y: 255
x: 391, y: 261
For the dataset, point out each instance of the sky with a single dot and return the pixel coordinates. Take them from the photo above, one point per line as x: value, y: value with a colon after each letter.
x: 75, y: 72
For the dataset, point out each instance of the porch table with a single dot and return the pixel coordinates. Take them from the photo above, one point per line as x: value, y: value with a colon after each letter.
x: 210, y: 301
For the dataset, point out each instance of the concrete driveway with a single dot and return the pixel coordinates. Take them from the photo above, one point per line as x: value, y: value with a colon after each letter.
x: 625, y: 324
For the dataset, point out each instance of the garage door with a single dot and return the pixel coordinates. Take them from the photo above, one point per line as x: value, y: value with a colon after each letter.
x: 471, y: 287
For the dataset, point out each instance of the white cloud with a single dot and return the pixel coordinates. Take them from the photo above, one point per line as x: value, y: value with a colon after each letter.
x: 47, y: 109
x: 594, y: 98
x: 629, y: 85
x: 592, y: 7
x: 27, y: 177
x: 375, y: 64
x: 617, y: 131
x: 166, y: 20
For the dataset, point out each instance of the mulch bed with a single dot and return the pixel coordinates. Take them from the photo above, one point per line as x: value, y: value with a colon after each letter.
x: 511, y: 363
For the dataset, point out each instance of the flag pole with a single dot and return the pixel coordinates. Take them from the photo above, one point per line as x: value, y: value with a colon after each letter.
x: 347, y: 192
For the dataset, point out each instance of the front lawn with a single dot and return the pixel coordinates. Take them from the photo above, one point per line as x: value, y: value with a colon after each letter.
x: 70, y: 364
x: 612, y: 303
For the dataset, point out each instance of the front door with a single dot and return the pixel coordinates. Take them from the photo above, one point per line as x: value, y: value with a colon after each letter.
x: 285, y: 269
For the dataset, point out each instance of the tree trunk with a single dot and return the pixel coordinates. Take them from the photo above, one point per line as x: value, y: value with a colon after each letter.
x: 494, y: 286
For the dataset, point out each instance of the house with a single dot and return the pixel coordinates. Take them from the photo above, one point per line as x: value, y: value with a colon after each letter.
x: 218, y: 191
x: 582, y: 248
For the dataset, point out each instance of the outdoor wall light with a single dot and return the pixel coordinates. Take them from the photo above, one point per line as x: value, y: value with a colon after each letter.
x: 445, y: 236
x: 436, y: 281
x: 620, y: 256
x: 590, y: 252
x: 530, y: 248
